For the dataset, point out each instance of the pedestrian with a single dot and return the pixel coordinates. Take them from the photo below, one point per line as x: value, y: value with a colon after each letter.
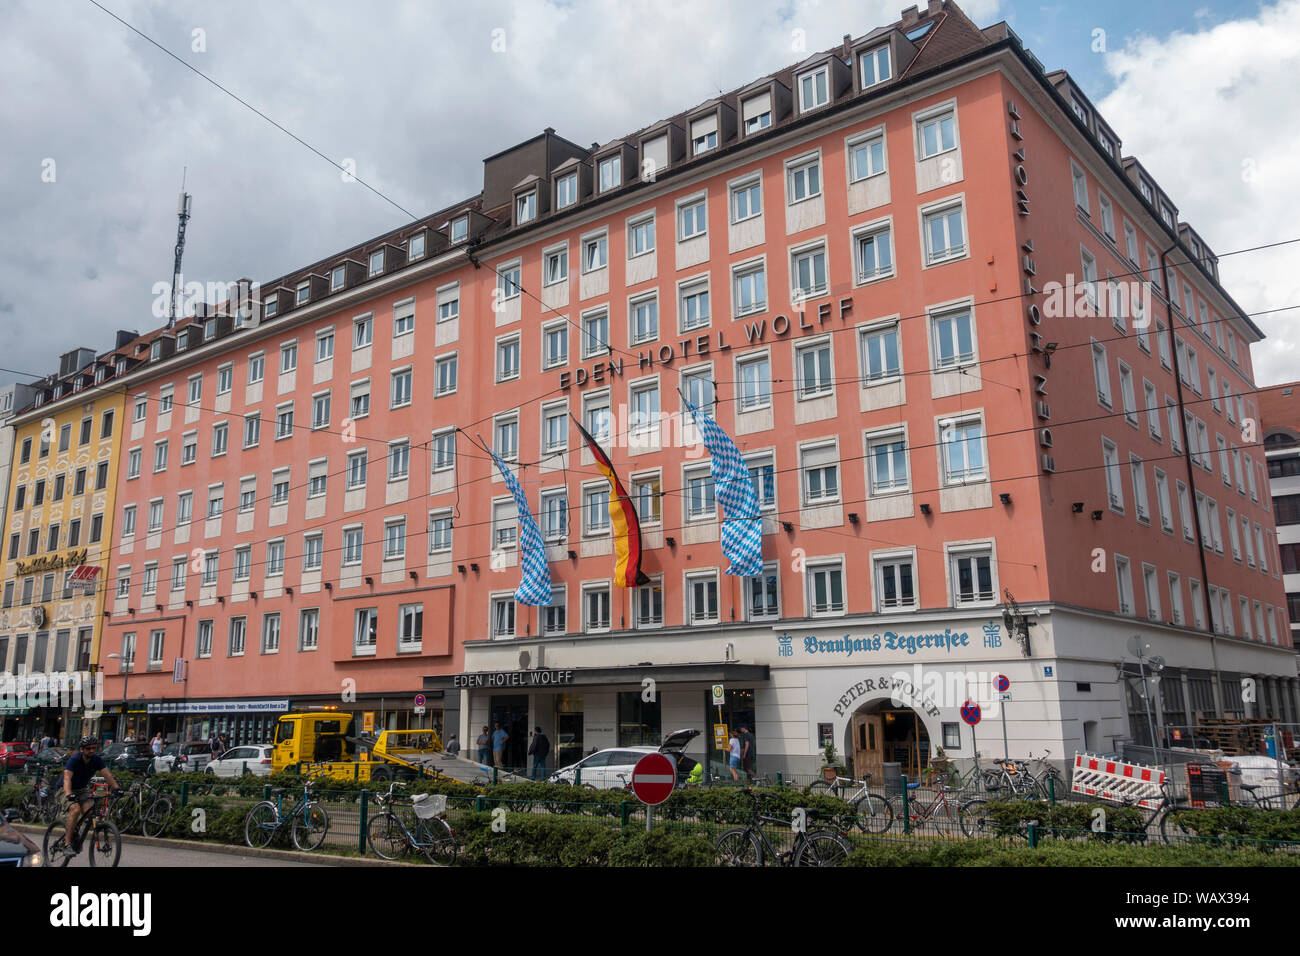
x: 453, y: 746
x: 540, y: 748
x: 499, y: 738
x: 45, y: 741
x: 733, y: 749
x: 156, y: 745
x: 747, y: 751
x: 224, y: 738
x: 484, y: 744
x: 214, y: 745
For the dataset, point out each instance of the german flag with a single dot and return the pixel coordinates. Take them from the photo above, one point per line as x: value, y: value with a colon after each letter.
x: 622, y: 515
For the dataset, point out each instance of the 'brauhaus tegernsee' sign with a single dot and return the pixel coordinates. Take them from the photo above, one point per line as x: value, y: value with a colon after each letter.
x: 541, y: 678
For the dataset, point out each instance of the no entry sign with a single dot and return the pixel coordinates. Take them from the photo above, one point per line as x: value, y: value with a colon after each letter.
x: 653, y: 779
x: 970, y: 712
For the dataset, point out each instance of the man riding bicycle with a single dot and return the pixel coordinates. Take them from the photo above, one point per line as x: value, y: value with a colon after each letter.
x: 80, y: 768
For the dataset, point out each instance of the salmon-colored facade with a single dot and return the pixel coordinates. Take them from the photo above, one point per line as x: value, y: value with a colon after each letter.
x: 919, y: 415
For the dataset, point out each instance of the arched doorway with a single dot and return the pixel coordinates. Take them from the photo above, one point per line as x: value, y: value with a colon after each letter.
x: 883, y: 732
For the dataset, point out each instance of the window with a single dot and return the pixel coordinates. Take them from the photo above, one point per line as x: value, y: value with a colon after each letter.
x: 814, y: 89
x: 399, y: 460
x: 704, y: 134
x: 211, y: 563
x: 252, y: 430
x: 159, y: 456
x: 288, y: 357
x: 746, y: 200
x: 1137, y: 471
x: 503, y: 617
x: 702, y: 598
x: 611, y: 172
x: 555, y: 515
x: 595, y: 509
x: 284, y: 421
x: 128, y: 523
x: 644, y: 411
x: 189, y: 448
x: 875, y: 66
x: 757, y: 113
x: 155, y: 515
x: 203, y: 640
x: 874, y: 251
x: 700, y: 503
x: 692, y: 219
x: 238, y: 632
x: 566, y: 190
x: 1114, y: 483
x: 820, y: 466
x: 360, y: 393
x: 220, y: 439
x: 945, y: 236
x: 698, y: 386
x: 1101, y: 373
x: 256, y: 368
x: 184, y: 507
x: 755, y: 374
x: 86, y: 423
x: 376, y: 262
x: 395, y: 539
x: 508, y: 281
x: 270, y: 633
x: 962, y: 451
x: 313, y: 546
x: 243, y: 563
x: 595, y: 334
x: 400, y: 392
x: 410, y: 627
x: 887, y: 463
x: 803, y: 179
x: 105, y: 426
x: 352, y: 545
x: 1162, y: 501
x: 507, y: 438
x: 320, y: 410
x: 357, y: 470
x: 937, y: 133
x: 749, y: 284
x: 762, y: 595
x: 460, y: 229
x: 895, y: 581
x: 555, y: 265
x: 595, y: 253
x: 648, y: 605
x: 1126, y: 394
x: 365, y: 631
x: 643, y: 314
x: 363, y: 330
x: 308, y: 629
x: 647, y: 496
x: 526, y: 207
x: 508, y: 359
x: 1151, y: 592
x: 444, y: 450
x: 440, y: 531
x: 445, y: 374
x: 132, y: 471
x: 403, y: 319
x: 825, y: 588
x: 1080, y: 187
x: 808, y: 270
x: 813, y: 369
x: 693, y: 305
x: 449, y: 302
x: 1107, y: 215
x: 972, y: 576
x: 595, y: 609
x: 1152, y: 402
x: 555, y: 428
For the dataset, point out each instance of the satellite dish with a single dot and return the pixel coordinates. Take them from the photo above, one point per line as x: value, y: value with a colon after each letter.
x: 1137, y: 646
x: 523, y: 660
x: 1156, y: 663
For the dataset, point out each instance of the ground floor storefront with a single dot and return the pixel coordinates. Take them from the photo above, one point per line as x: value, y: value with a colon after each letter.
x: 888, y: 695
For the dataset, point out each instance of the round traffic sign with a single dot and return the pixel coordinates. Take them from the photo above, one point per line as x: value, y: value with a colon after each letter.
x: 970, y: 712
x: 1002, y: 683
x: 653, y: 779
x: 419, y: 700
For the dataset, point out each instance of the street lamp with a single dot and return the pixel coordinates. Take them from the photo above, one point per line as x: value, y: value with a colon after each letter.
x: 126, y: 678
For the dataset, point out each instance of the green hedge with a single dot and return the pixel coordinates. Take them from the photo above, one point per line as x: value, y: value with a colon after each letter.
x: 1241, y: 823
x: 529, y: 840
x: 1067, y: 820
x: 1056, y: 853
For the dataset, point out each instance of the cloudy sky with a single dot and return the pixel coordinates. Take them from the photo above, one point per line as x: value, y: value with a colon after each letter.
x: 97, y: 125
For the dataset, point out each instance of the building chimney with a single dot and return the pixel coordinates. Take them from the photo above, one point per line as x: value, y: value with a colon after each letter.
x: 848, y: 42
x: 936, y: 7
x: 910, y: 15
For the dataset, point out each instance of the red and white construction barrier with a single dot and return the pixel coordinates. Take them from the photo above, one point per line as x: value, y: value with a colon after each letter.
x: 1114, y: 780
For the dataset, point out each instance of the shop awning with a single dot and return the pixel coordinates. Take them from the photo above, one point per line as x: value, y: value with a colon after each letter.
x: 549, y: 678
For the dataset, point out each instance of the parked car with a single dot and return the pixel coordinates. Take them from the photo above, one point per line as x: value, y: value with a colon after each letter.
x: 133, y: 758
x: 189, y: 757
x: 253, y: 759
x: 52, y: 757
x: 14, y: 756
x: 602, y: 769
x: 16, y: 849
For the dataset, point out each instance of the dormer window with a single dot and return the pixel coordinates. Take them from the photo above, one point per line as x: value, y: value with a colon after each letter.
x: 58, y: 390
x: 76, y: 385
x: 99, y: 375
x: 121, y: 366
x: 1107, y: 146
x: 337, y: 278
x: 1144, y: 189
x: 704, y: 134
x: 272, y: 306
x: 155, y: 351
x: 1079, y: 111
x: 526, y: 207
x: 919, y: 32
x: 757, y: 113
x: 611, y: 172
x: 566, y: 190
x: 303, y: 294
x: 460, y: 229
x: 376, y: 262
x: 209, y: 330
x: 1164, y: 214
x: 415, y: 246
x: 814, y: 89
x: 875, y: 66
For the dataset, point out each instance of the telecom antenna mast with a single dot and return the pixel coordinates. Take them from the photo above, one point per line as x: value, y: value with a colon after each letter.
x: 182, y: 215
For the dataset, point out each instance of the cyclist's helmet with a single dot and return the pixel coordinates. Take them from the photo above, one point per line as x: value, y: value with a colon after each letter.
x: 88, y: 741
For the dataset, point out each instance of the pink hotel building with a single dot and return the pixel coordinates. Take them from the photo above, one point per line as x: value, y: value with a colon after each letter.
x: 851, y: 262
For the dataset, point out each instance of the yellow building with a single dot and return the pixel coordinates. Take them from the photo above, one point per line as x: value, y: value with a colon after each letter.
x: 58, y: 539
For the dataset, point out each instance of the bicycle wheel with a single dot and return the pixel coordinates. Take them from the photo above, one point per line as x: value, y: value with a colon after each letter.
x: 310, y: 827
x: 821, y: 786
x: 105, y: 844
x: 873, y: 814
x: 822, y: 848
x: 739, y: 847
x: 385, y: 835
x: 438, y: 841
x: 154, y: 820
x: 126, y: 814
x: 52, y: 845
x: 261, y: 825
x: 1175, y: 829
x: 975, y: 819
x: 944, y: 820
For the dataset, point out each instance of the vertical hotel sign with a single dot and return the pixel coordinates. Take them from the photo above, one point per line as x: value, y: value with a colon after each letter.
x: 1033, y: 309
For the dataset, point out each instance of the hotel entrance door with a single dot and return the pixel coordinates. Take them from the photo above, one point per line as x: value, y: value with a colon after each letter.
x: 883, y: 734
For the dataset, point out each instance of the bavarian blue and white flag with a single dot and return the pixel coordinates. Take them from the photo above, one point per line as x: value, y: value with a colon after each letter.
x: 742, y: 528
x: 535, y: 584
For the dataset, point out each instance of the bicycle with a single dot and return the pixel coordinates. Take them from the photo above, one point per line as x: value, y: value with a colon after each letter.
x: 1014, y: 777
x: 307, y: 821
x: 40, y: 803
x: 749, y: 845
x: 869, y: 812
x: 946, y: 817
x: 390, y: 837
x: 1271, y: 801
x: 1044, y: 772
x: 143, y: 805
x: 105, y: 838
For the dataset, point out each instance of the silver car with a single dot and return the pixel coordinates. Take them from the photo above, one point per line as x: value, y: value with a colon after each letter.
x: 611, y: 769
x: 249, y: 760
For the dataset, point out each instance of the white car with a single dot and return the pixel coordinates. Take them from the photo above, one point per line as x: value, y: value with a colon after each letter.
x: 189, y: 757
x: 251, y: 759
x: 612, y: 769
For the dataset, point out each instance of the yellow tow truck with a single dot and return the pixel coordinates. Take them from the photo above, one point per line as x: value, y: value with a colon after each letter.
x: 325, y: 745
